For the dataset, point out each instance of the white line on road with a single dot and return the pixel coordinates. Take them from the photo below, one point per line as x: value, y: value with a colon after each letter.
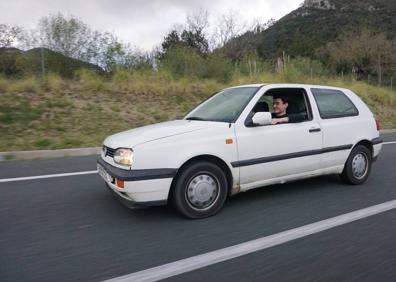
x: 203, y: 260
x: 47, y: 176
x: 386, y: 143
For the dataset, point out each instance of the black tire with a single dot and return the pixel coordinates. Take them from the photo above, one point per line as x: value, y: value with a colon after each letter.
x: 194, y: 187
x: 356, y: 170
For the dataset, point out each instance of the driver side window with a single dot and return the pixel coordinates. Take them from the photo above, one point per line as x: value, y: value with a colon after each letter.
x: 286, y: 105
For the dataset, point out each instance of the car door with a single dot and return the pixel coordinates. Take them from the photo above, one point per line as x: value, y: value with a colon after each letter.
x: 276, y: 151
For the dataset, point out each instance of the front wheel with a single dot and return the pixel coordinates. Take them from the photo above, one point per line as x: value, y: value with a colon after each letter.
x: 200, y: 190
x: 357, y: 167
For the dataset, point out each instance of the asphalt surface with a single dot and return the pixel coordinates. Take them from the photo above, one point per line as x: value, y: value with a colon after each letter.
x: 72, y: 229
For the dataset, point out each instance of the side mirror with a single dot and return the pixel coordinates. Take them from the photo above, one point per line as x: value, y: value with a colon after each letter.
x: 262, y: 118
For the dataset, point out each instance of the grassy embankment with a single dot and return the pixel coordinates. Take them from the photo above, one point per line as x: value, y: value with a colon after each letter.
x: 55, y: 113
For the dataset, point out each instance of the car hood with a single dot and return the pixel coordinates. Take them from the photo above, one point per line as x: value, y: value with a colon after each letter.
x: 140, y: 135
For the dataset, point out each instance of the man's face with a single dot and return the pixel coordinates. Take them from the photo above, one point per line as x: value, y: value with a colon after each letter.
x: 279, y: 106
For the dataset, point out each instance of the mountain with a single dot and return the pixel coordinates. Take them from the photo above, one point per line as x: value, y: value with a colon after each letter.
x: 317, y: 22
x: 20, y: 63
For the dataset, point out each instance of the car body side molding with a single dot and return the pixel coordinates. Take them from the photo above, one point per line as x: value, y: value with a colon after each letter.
x: 290, y: 156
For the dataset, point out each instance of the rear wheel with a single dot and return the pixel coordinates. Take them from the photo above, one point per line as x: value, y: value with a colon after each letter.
x: 200, y: 190
x: 357, y: 167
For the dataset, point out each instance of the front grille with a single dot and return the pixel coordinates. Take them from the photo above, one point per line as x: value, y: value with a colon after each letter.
x: 109, y: 151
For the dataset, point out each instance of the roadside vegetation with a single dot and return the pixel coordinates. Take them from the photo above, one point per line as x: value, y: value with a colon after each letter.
x: 53, y: 113
x: 60, y: 93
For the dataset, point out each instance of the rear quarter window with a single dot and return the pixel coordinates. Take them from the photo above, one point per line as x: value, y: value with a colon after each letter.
x: 333, y: 103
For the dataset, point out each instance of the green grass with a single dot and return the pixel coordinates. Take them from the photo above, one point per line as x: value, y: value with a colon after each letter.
x: 54, y: 113
x: 43, y: 143
x: 18, y: 112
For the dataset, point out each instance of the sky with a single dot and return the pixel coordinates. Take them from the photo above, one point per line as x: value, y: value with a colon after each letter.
x: 142, y: 23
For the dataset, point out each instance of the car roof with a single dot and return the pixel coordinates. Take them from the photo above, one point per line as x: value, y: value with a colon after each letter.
x: 287, y: 85
x: 248, y: 85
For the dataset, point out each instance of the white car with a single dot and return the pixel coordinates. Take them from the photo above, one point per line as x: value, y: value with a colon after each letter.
x: 228, y: 144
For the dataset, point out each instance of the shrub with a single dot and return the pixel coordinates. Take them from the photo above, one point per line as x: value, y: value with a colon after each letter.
x: 4, y: 85
x: 300, y: 70
x: 184, y: 62
x: 29, y: 85
x: 53, y: 82
x: 42, y: 143
x: 91, y: 80
x: 218, y: 67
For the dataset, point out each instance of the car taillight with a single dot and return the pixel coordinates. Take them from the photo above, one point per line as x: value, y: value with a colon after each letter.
x: 378, y: 124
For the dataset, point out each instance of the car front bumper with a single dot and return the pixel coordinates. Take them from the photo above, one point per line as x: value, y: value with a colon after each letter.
x: 142, y: 188
x: 130, y: 203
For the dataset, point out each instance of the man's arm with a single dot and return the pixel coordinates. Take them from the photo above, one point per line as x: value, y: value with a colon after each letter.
x: 292, y: 118
x: 280, y: 120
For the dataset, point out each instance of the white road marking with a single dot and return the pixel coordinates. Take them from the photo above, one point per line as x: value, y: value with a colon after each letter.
x: 47, y: 176
x: 391, y: 142
x: 203, y: 260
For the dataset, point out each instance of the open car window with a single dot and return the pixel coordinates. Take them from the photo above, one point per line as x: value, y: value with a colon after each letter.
x: 298, y: 103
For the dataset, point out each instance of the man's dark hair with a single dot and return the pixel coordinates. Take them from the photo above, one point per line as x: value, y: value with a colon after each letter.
x: 284, y: 99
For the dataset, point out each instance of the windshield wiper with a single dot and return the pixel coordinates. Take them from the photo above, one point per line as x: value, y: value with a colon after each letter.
x: 194, y: 118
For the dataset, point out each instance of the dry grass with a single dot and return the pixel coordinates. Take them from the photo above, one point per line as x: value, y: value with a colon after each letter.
x: 28, y: 85
x: 4, y: 84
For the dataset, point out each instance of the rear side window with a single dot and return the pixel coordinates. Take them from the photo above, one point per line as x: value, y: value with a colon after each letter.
x: 333, y: 103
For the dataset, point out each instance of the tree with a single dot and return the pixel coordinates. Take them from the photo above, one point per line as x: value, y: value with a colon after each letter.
x: 365, y: 52
x: 111, y: 52
x: 193, y: 39
x: 196, y: 33
x: 73, y: 38
x: 9, y: 35
x: 68, y: 36
x: 191, y: 36
x: 172, y: 39
x: 227, y: 29
x: 198, y: 22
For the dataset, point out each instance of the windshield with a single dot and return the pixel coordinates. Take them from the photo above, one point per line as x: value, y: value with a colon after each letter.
x: 225, y: 106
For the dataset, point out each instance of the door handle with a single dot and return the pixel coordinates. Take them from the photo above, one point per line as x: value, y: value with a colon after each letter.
x: 314, y: 130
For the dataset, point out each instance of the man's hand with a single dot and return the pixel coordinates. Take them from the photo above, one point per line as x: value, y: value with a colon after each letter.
x: 280, y: 120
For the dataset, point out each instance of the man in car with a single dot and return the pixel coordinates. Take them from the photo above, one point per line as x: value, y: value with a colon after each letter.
x: 280, y: 114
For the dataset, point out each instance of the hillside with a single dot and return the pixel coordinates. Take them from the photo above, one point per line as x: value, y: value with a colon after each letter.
x: 318, y: 22
x: 26, y: 63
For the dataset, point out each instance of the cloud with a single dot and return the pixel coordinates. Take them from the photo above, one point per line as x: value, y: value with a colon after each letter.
x: 142, y: 23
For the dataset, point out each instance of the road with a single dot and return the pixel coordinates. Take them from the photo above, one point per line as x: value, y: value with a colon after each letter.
x: 71, y: 229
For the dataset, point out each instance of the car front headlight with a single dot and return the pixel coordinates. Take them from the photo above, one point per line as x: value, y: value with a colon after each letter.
x: 123, y: 156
